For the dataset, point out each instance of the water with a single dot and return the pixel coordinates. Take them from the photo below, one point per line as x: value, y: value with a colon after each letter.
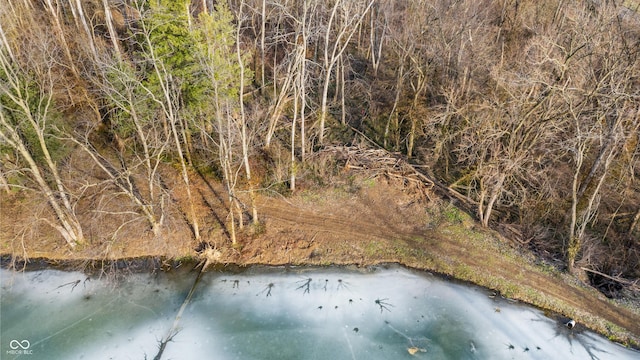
x: 274, y: 313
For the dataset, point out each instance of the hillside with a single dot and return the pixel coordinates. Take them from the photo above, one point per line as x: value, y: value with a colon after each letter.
x: 367, y: 217
x: 487, y: 140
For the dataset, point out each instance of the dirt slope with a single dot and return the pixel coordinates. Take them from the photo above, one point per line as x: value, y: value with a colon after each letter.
x: 363, y: 219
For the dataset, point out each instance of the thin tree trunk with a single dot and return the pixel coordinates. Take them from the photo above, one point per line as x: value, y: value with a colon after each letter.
x: 186, y: 140
x: 417, y: 92
x: 225, y: 163
x: 53, y: 11
x: 635, y: 222
x: 68, y: 227
x: 483, y: 195
x: 495, y: 193
x: 340, y: 44
x: 5, y: 44
x: 112, y: 31
x: 81, y: 22
x: 292, y: 182
x: 323, y: 106
x: 301, y: 84
x: 393, y: 114
x: 412, y: 136
x: 574, y: 240
x: 185, y: 178
x: 167, y: 105
x: 596, y: 163
x: 281, y: 100
x: 243, y: 121
x: 125, y: 184
x: 263, y: 28
x: 342, y: 100
x: 4, y: 183
x: 376, y: 43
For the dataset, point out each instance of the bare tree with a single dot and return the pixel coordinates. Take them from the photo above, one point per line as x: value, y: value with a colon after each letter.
x: 602, y: 99
x: 54, y: 14
x: 81, y: 23
x: 26, y: 126
x: 378, y: 26
x: 344, y: 21
x: 304, y: 34
x: 125, y: 93
x: 244, y: 136
x: 113, y: 35
x: 282, y: 95
x: 298, y: 59
x: 263, y: 30
x: 222, y: 64
x: 4, y: 183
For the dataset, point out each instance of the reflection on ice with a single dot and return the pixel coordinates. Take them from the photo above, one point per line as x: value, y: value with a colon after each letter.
x: 279, y: 314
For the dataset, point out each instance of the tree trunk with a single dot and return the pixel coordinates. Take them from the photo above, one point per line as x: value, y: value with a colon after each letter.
x: 243, y: 120
x: 302, y: 90
x: 375, y: 41
x: 292, y: 182
x: 393, y: 114
x: 112, y: 31
x: 81, y: 22
x: 343, y: 106
x: 68, y: 225
x: 53, y: 11
x: 263, y: 29
x: 3, y: 180
x: 412, y: 136
x: 282, y: 98
x: 168, y: 103
x: 185, y: 177
x: 125, y: 183
x: 634, y: 223
x: 333, y: 53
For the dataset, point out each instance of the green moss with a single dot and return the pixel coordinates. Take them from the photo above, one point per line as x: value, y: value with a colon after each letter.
x: 453, y: 215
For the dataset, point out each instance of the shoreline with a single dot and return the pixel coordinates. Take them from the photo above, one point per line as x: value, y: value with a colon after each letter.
x: 153, y: 264
x: 363, y: 223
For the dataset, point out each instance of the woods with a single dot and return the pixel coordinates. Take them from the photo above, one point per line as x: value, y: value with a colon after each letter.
x: 526, y: 112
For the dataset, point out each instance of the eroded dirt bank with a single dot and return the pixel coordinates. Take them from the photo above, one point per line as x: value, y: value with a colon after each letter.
x: 364, y: 220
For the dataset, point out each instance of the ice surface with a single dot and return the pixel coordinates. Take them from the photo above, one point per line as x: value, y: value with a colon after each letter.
x: 391, y: 313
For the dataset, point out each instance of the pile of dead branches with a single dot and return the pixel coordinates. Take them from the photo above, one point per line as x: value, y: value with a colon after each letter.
x: 381, y: 163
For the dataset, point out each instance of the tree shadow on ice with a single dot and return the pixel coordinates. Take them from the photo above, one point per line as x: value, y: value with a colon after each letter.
x: 267, y: 290
x: 383, y: 304
x: 306, y: 284
x: 568, y: 331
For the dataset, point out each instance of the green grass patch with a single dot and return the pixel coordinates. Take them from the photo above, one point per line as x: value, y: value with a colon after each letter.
x: 453, y: 215
x: 374, y: 249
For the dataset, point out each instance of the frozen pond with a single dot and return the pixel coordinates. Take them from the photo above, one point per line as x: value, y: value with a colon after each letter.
x: 277, y: 313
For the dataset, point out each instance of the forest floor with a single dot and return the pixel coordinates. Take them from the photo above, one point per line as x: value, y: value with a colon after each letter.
x: 364, y: 218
